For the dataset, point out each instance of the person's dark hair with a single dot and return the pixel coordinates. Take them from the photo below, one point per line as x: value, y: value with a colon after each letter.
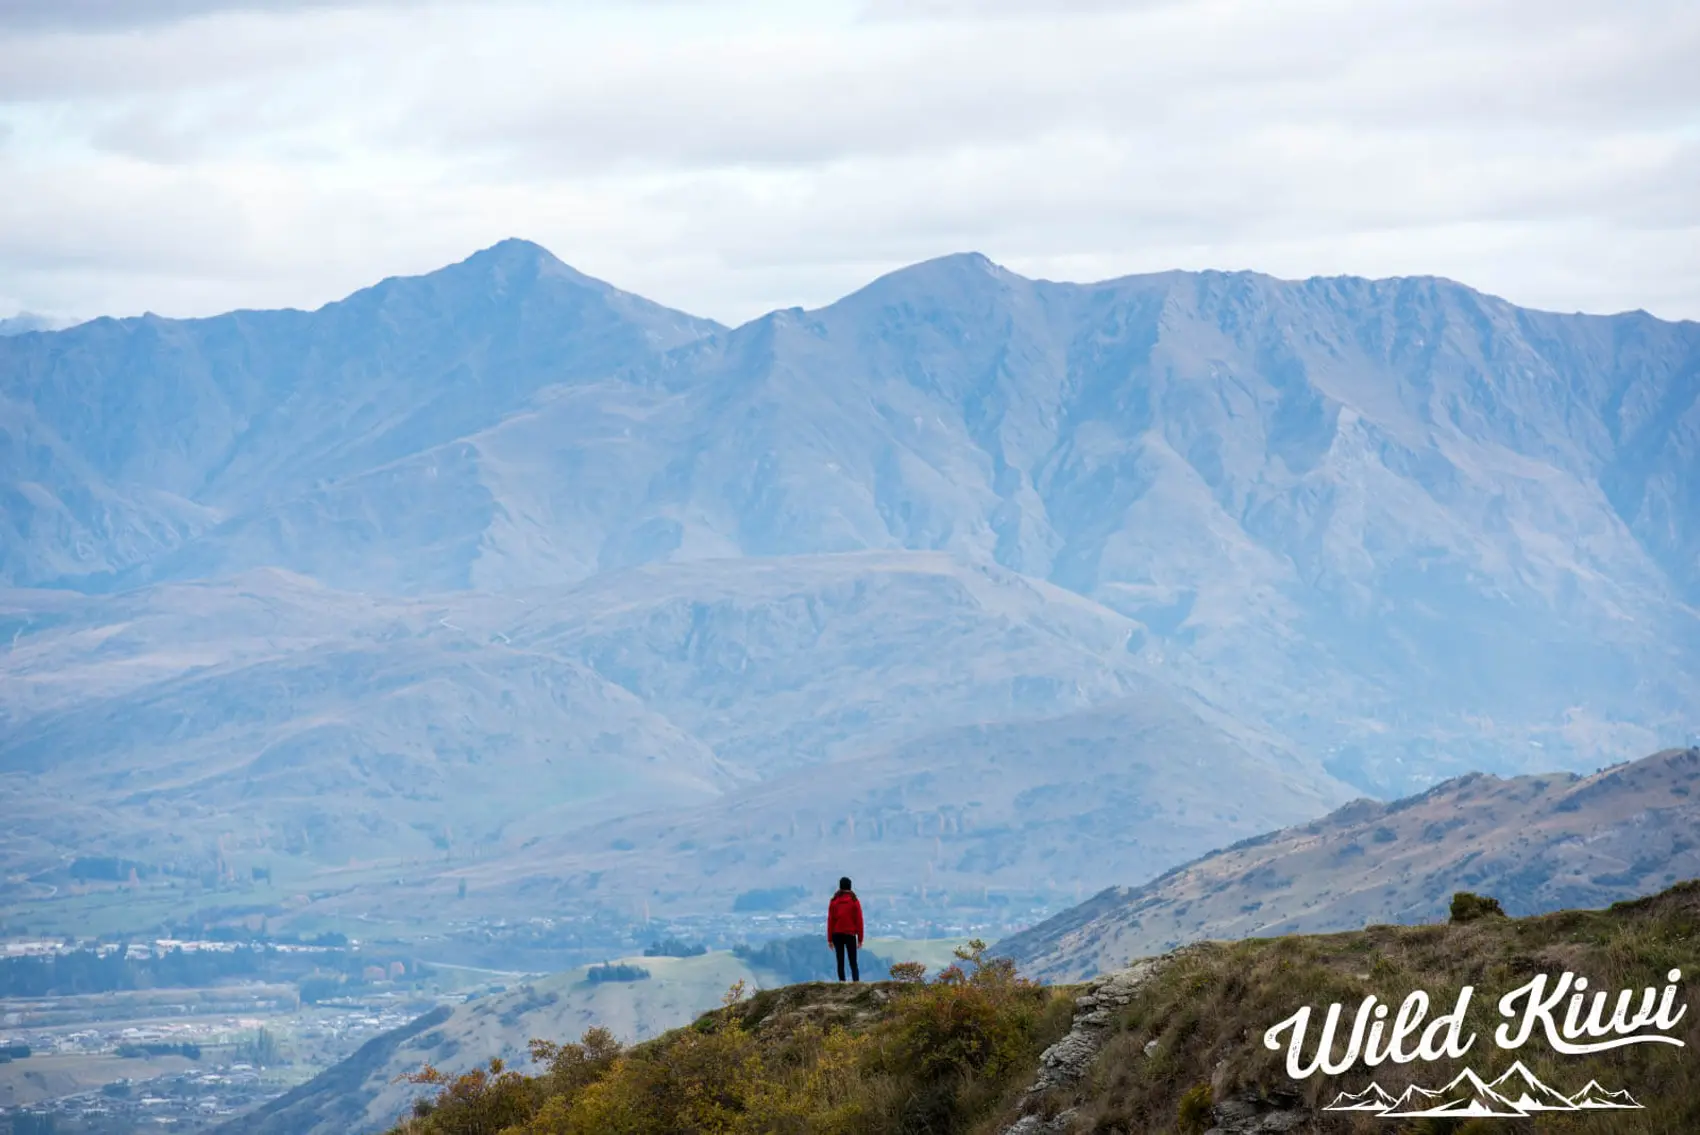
x: 844, y: 883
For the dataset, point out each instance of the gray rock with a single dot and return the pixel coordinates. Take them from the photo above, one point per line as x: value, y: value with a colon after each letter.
x: 1068, y: 1060
x: 1255, y: 1115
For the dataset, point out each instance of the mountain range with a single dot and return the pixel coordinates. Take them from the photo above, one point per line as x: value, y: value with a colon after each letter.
x: 988, y: 582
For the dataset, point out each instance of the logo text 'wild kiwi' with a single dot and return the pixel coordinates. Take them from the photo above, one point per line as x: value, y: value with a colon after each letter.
x: 1572, y: 1021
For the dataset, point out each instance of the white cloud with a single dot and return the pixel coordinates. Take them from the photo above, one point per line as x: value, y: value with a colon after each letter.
x: 733, y: 157
x: 89, y: 15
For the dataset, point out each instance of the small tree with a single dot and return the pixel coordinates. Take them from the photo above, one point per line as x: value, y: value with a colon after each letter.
x: 908, y: 972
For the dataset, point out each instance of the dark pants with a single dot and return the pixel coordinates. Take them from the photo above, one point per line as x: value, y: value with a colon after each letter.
x: 846, y: 944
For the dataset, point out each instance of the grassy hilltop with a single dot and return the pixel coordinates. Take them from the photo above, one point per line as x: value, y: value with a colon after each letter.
x: 1184, y: 1054
x: 940, y: 1055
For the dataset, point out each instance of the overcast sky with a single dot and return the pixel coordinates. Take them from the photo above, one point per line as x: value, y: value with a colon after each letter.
x: 191, y: 156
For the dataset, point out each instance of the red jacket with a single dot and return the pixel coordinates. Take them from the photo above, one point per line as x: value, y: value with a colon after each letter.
x: 844, y: 916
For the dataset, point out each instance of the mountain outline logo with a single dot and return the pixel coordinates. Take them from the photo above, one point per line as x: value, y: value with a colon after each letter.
x: 1372, y: 1098
x: 1516, y: 1094
x: 1524, y: 1090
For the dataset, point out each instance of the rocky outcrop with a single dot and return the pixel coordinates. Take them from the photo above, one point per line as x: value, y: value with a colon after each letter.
x: 1065, y: 1063
x: 1258, y: 1115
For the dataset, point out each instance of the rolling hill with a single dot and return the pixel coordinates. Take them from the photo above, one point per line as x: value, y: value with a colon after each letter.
x: 544, y: 731
x: 1537, y: 843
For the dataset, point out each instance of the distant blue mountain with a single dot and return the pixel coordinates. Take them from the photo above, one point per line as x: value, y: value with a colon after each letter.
x: 1398, y: 528
x: 138, y: 436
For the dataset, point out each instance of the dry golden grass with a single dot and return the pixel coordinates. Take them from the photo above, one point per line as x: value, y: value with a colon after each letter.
x: 1207, y: 1013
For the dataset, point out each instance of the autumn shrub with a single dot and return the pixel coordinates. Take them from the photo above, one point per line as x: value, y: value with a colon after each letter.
x: 721, y: 1081
x: 494, y: 1099
x: 908, y: 972
x: 573, y: 1067
x: 956, y: 1042
x: 484, y: 1101
x: 974, y: 1017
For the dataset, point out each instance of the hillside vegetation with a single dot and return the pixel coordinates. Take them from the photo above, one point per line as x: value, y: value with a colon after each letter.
x: 1185, y: 1053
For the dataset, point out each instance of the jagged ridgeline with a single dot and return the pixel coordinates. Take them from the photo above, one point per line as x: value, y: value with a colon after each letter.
x: 1174, y: 1044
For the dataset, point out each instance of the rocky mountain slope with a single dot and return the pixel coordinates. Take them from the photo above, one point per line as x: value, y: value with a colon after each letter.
x: 493, y: 554
x: 1537, y: 843
x: 128, y: 441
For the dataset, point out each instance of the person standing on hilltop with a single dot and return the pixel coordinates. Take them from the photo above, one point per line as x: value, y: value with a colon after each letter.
x: 844, y: 927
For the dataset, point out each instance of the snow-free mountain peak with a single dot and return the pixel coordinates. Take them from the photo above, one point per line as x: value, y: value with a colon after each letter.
x: 942, y: 282
x: 517, y: 260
